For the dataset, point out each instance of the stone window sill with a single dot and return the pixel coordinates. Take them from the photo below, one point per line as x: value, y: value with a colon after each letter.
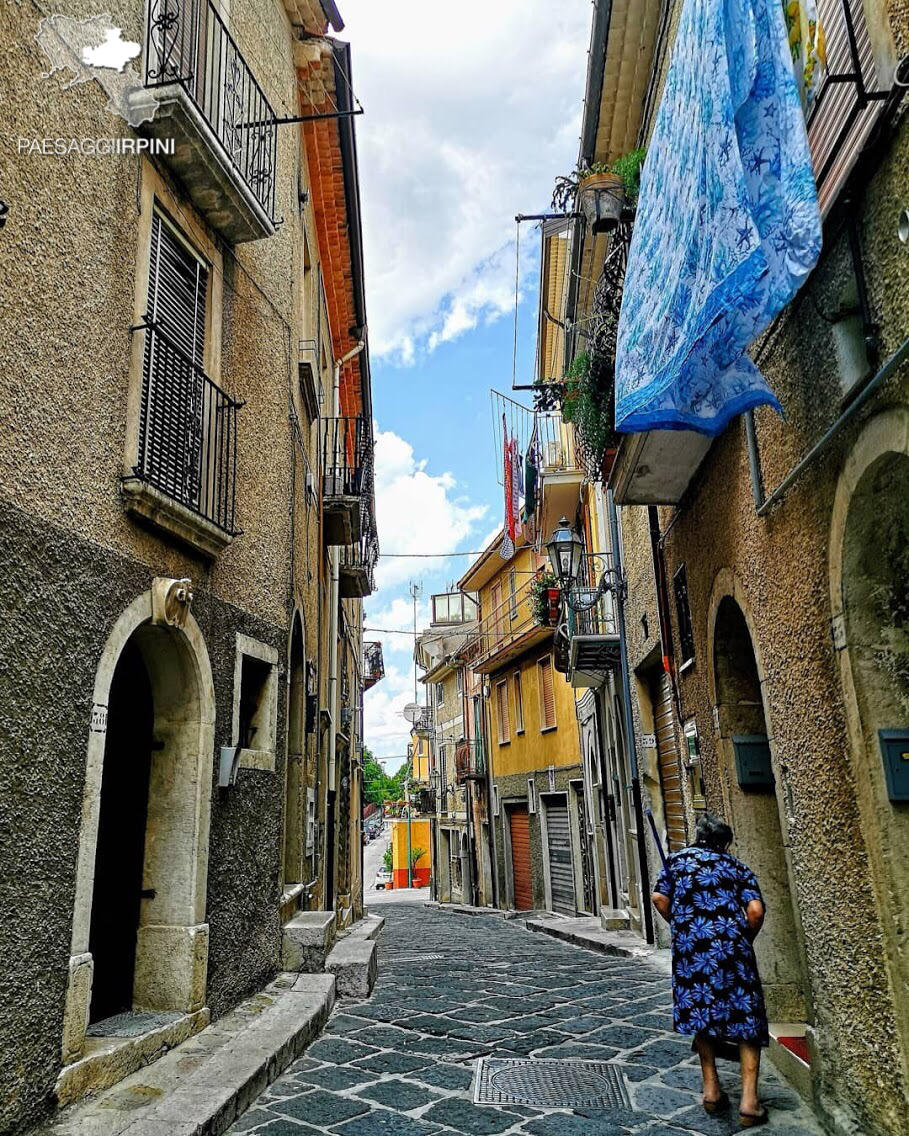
x: 168, y: 515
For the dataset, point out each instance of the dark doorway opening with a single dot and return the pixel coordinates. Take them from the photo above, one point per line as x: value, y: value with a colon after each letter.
x: 120, y: 855
x: 330, y: 814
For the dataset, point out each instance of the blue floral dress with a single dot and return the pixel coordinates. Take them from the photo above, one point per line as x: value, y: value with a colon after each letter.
x: 715, y: 984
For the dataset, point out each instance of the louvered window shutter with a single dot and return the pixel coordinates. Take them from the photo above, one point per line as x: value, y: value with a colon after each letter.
x: 502, y: 692
x: 171, y: 441
x: 547, y: 699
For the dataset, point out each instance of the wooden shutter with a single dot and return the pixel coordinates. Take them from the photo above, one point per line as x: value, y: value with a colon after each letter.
x: 502, y: 711
x: 839, y: 124
x: 172, y: 382
x: 547, y: 697
x: 518, y: 704
x: 496, y: 613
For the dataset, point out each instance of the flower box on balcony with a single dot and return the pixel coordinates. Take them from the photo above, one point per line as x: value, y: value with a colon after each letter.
x: 601, y: 198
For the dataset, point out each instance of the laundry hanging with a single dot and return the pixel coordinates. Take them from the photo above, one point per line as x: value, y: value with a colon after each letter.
x: 727, y: 227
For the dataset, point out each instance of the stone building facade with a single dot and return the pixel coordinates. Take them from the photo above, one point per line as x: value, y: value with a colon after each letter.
x: 184, y: 561
x: 766, y: 614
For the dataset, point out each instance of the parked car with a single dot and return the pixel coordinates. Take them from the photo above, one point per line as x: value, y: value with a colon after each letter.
x: 383, y: 880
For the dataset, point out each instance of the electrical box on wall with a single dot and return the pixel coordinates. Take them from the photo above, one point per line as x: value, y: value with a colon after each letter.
x: 752, y: 762
x: 895, y: 749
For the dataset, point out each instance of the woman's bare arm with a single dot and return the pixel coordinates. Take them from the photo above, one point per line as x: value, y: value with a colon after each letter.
x: 661, y: 903
x: 754, y: 916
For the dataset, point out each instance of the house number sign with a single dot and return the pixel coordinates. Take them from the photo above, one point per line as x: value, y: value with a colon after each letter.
x: 98, y: 719
x: 648, y: 741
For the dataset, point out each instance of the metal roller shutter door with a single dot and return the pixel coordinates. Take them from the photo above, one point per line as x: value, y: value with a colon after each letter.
x: 670, y: 766
x: 519, y: 823
x: 561, y: 870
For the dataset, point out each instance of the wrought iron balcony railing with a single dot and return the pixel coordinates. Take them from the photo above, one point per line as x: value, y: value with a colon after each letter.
x: 470, y: 761
x: 505, y: 628
x: 590, y: 623
x: 187, y: 432
x: 424, y: 723
x: 189, y: 44
x: 373, y: 664
x: 345, y: 443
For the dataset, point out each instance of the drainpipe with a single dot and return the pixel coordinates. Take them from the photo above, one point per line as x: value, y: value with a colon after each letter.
x: 629, y: 726
x: 763, y: 504
x: 333, y: 598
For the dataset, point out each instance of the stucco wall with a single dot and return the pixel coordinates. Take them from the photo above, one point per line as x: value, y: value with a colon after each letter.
x: 51, y: 648
x: 781, y: 566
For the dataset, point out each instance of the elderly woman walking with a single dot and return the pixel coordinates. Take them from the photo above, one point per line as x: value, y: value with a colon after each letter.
x: 714, y: 907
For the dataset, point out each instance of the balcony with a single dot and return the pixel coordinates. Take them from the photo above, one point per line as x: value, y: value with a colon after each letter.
x: 184, y: 478
x: 505, y: 633
x: 470, y: 762
x: 373, y: 664
x: 344, y: 451
x: 201, y: 92
x: 357, y: 561
x: 423, y: 724
x: 561, y: 473
x: 454, y: 608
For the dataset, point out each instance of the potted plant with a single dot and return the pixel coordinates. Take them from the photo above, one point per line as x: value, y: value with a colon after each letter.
x: 545, y: 595
x: 601, y: 191
x: 588, y: 407
x: 416, y: 855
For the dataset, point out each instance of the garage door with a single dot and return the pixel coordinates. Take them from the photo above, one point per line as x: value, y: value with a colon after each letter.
x: 519, y: 824
x: 561, y: 873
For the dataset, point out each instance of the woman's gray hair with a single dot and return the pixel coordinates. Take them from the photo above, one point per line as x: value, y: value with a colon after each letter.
x: 712, y: 833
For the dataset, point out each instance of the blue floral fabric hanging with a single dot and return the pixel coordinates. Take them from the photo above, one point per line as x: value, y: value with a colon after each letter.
x: 727, y: 225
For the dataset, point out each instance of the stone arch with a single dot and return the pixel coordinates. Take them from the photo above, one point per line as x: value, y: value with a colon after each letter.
x: 172, y: 937
x: 869, y: 599
x: 295, y: 769
x: 737, y: 686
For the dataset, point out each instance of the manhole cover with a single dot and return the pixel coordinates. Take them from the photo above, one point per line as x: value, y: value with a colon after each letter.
x: 550, y: 1084
x: 132, y: 1023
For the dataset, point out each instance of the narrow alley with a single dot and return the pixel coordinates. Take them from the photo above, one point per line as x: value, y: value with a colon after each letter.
x: 455, y: 989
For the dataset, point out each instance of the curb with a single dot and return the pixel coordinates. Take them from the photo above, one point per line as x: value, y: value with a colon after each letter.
x: 604, y: 946
x: 201, y: 1087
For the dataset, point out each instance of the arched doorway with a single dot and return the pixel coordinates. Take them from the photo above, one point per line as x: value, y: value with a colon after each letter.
x: 754, y: 812
x: 120, y: 854
x: 869, y: 550
x: 139, y: 937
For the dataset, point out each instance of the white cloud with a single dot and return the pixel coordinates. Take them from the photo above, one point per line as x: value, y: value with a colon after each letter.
x: 417, y: 511
x: 471, y: 111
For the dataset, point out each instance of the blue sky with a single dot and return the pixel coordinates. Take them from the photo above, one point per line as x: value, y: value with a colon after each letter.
x: 471, y: 110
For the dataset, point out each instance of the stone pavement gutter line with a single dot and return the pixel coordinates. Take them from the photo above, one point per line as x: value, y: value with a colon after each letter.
x: 201, y: 1087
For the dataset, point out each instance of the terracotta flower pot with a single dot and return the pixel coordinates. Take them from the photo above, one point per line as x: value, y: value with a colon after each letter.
x: 601, y: 198
x: 554, y: 596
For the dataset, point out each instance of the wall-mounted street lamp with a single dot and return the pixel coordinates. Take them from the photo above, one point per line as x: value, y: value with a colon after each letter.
x: 566, y: 552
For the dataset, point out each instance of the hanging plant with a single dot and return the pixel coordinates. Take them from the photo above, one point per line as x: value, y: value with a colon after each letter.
x: 603, y: 193
x: 588, y: 406
x: 543, y: 583
x: 628, y: 168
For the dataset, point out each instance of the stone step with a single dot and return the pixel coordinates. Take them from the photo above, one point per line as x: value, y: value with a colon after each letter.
x: 202, y: 1086
x: 307, y: 940
x: 353, y: 962
x: 615, y: 919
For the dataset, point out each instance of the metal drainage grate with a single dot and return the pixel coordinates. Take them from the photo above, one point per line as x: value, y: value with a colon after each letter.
x: 423, y: 956
x: 550, y: 1084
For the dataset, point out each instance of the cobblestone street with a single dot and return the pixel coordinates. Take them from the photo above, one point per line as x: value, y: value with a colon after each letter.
x: 452, y: 989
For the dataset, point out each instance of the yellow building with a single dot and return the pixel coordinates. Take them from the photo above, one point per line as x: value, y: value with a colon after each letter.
x: 538, y: 809
x: 420, y: 840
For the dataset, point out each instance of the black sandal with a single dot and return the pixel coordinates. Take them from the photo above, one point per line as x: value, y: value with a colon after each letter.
x: 754, y: 1119
x: 719, y: 1105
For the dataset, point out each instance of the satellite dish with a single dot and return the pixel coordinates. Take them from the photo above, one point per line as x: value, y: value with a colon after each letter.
x: 411, y: 712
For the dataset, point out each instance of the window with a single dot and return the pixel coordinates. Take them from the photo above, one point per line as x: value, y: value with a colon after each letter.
x: 502, y: 711
x: 518, y: 704
x: 683, y: 612
x: 440, y: 693
x: 255, y: 713
x: 547, y: 696
x: 513, y: 596
x: 460, y: 680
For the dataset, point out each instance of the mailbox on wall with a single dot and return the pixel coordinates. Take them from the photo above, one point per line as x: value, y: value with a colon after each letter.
x: 895, y: 748
x: 752, y: 762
